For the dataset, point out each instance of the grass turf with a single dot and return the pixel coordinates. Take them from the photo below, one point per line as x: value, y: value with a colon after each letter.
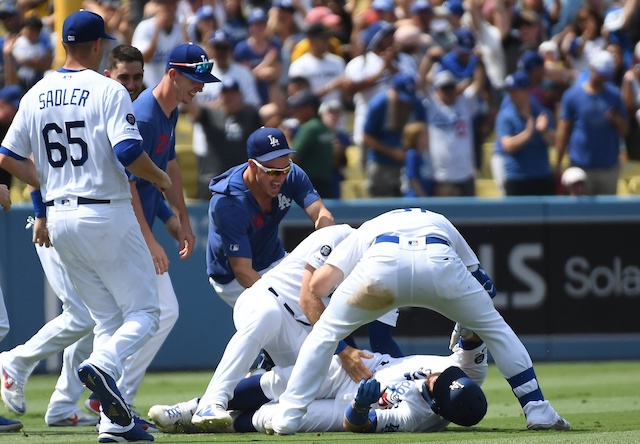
x: 600, y: 399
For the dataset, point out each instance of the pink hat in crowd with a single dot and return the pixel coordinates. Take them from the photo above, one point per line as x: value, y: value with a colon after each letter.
x: 322, y: 14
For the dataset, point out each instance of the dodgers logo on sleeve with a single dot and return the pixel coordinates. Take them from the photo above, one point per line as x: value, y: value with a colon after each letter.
x: 131, y: 119
x: 325, y: 250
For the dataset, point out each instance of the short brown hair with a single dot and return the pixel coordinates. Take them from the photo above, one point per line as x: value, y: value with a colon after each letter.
x: 124, y: 53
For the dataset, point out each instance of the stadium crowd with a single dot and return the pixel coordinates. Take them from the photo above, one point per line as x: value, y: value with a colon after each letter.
x: 535, y: 79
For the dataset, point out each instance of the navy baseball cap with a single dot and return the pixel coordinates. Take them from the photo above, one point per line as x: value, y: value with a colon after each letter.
x: 455, y: 7
x: 257, y: 15
x: 229, y: 83
x: 465, y: 40
x: 405, y: 85
x: 12, y: 94
x: 84, y: 26
x: 220, y: 38
x: 420, y: 5
x: 530, y: 60
x: 517, y: 80
x: 266, y: 144
x: 457, y: 398
x: 376, y: 32
x: 192, y: 62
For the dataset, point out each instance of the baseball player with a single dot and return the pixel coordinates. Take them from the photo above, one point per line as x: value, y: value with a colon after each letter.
x: 401, y: 406
x: 86, y: 135
x: 407, y: 257
x: 267, y: 316
x: 6, y: 424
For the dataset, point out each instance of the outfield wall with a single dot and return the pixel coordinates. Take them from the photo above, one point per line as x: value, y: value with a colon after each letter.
x: 567, y: 273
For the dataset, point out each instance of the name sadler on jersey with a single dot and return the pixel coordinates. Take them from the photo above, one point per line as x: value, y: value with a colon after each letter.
x: 61, y: 97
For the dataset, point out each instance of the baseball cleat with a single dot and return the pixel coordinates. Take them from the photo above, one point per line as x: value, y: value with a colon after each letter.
x: 111, y: 400
x: 134, y: 435
x: 9, y: 425
x: 174, y: 418
x: 559, y: 424
x: 79, y: 419
x: 212, y: 419
x: 13, y: 394
x: 145, y: 425
x: 92, y: 404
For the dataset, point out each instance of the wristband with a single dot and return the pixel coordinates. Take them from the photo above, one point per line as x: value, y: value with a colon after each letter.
x: 38, y: 204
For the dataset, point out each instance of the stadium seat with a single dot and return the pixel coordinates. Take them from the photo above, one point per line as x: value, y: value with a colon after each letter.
x: 487, y: 188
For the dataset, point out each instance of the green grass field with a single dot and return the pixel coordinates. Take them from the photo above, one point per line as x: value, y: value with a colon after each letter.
x: 601, y: 400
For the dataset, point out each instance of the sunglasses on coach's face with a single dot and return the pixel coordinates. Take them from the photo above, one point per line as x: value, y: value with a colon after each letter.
x: 273, y: 172
x: 199, y: 67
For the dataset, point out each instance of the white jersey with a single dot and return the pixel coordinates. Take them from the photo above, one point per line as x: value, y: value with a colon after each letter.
x: 358, y: 69
x: 319, y: 72
x: 143, y: 36
x: 451, y: 136
x: 285, y: 279
x: 415, y: 223
x: 70, y: 122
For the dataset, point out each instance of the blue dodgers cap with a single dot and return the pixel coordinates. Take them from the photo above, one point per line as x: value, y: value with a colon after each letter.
x: 83, y: 26
x: 405, y: 85
x: 187, y: 54
x: 382, y: 5
x: 455, y: 7
x: 205, y: 12
x: 457, y: 398
x: 286, y: 5
x: 375, y: 32
x: 517, y: 80
x: 257, y: 15
x: 12, y: 94
x: 220, y: 38
x: 229, y: 83
x: 465, y: 40
x: 266, y: 144
x: 530, y: 60
x: 420, y: 5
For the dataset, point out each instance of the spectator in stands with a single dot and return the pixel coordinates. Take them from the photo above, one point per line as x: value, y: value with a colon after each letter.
x: 226, y: 127
x: 524, y: 34
x: 312, y: 142
x: 235, y: 26
x: 202, y: 25
x: 592, y: 121
x: 116, y: 22
x: 389, y: 111
x: 630, y: 91
x: 418, y: 170
x: 324, y: 70
x: 156, y: 37
x: 9, y: 100
x: 11, y: 22
x: 32, y: 53
x: 283, y: 29
x: 262, y: 57
x: 385, y: 10
x: 583, y: 40
x: 573, y: 181
x: 331, y: 113
x: 332, y: 21
x: 370, y: 73
x: 450, y: 124
x: 524, y: 131
x: 489, y: 43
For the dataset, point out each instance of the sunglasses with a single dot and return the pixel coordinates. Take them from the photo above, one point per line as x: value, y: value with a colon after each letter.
x: 199, y: 67
x: 273, y: 172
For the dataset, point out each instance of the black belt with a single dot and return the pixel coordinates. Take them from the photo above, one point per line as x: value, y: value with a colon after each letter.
x: 82, y: 201
x: 396, y: 239
x: 286, y: 306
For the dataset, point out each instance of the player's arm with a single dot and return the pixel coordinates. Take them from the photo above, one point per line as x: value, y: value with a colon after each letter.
x: 20, y: 167
x: 132, y: 156
x: 319, y: 215
x: 169, y: 219
x: 243, y: 270
x: 40, y: 232
x: 175, y: 197
x: 160, y: 259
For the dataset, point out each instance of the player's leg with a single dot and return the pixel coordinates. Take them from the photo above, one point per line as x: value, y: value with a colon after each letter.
x: 258, y: 318
x: 63, y: 404
x: 137, y: 364
x: 6, y: 425
x: 322, y: 415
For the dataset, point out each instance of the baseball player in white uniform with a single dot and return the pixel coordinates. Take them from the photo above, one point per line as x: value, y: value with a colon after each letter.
x: 266, y: 315
x: 407, y: 257
x: 80, y: 129
x: 399, y: 407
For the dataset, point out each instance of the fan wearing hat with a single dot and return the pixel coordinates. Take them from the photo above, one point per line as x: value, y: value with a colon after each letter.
x: 370, y: 73
x: 156, y: 37
x: 389, y: 111
x: 449, y: 120
x: 524, y: 132
x: 592, y: 120
x: 324, y: 70
x: 331, y: 21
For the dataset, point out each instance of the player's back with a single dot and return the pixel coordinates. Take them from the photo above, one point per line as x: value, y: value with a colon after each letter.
x: 71, y: 120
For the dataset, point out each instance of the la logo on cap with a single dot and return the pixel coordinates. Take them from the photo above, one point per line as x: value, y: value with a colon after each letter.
x: 273, y: 141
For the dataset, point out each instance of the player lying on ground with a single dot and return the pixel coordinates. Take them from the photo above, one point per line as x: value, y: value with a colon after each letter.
x: 410, y: 384
x: 267, y: 315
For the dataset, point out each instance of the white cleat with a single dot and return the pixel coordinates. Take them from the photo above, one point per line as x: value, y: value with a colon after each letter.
x: 13, y: 394
x: 175, y: 418
x: 212, y: 419
x: 559, y: 424
x: 541, y: 416
x: 79, y: 419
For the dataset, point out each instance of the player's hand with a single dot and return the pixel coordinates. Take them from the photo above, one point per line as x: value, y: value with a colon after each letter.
x: 368, y: 393
x: 351, y: 360
x: 187, y: 241
x: 164, y: 182
x: 5, y: 197
x: 160, y: 259
x: 40, y: 232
